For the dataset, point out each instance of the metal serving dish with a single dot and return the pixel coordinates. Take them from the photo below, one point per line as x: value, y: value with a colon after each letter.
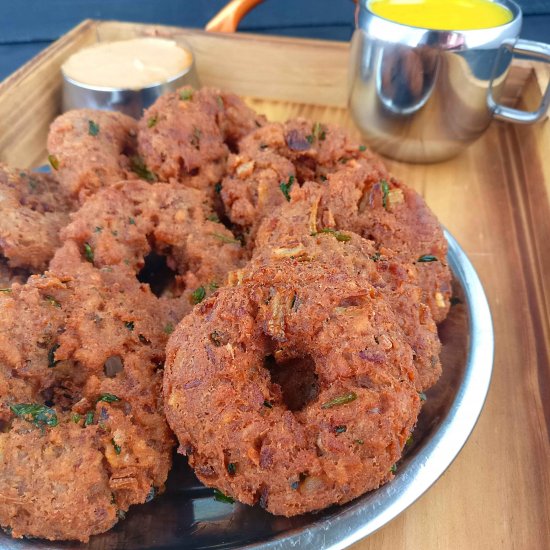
x: 187, y: 516
x: 132, y: 102
x: 77, y: 95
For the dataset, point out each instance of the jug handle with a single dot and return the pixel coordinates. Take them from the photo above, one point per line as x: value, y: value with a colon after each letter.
x: 538, y: 50
x: 229, y: 17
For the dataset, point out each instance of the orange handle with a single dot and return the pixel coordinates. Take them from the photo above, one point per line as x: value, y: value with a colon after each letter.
x: 228, y: 19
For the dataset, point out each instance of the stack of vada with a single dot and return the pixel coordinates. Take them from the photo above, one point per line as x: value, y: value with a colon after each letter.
x: 262, y: 296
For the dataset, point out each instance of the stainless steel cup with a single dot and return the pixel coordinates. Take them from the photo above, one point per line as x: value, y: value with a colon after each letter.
x: 422, y: 95
x: 78, y: 95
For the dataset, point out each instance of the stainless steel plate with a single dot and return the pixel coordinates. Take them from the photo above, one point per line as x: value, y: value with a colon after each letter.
x: 187, y: 516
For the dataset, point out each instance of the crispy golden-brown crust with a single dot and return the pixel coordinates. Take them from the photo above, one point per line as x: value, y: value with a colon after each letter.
x: 39, y: 495
x: 234, y: 422
x: 91, y: 149
x: 316, y: 149
x: 396, y: 216
x: 90, y: 347
x: 180, y: 140
x: 355, y: 197
x: 384, y: 210
x: 184, y: 136
x: 121, y: 225
x: 378, y: 266
x: 34, y: 209
x: 252, y: 188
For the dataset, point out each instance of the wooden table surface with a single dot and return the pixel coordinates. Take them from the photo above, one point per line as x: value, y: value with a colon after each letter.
x: 494, y: 198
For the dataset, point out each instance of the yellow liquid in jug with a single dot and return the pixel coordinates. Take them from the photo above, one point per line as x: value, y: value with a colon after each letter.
x: 444, y: 15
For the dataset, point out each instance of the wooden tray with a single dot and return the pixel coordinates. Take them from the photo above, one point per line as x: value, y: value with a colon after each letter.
x: 494, y: 198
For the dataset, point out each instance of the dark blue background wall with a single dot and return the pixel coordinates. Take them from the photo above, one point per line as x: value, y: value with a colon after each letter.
x: 28, y: 26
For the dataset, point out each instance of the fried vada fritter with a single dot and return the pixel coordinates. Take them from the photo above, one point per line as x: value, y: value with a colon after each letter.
x: 123, y: 224
x: 235, y: 423
x: 252, y: 188
x: 34, y: 209
x: 359, y: 195
x: 379, y: 267
x: 54, y: 483
x: 83, y: 431
x: 91, y: 149
x: 390, y: 213
x: 316, y: 149
x: 184, y: 136
x: 386, y: 211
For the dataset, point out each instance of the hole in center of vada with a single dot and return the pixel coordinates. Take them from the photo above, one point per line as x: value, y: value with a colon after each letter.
x: 5, y: 425
x: 157, y: 274
x: 297, y: 379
